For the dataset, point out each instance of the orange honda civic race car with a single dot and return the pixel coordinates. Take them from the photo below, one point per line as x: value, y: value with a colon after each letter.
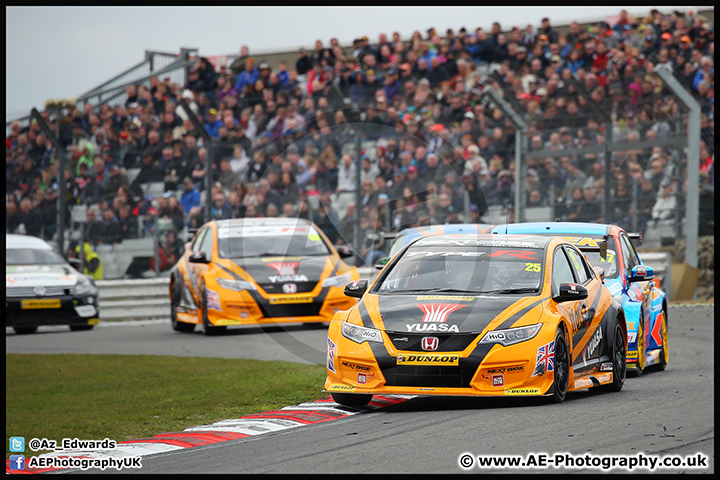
x: 258, y: 271
x: 489, y: 315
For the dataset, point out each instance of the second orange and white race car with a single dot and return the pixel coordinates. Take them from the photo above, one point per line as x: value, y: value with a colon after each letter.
x: 258, y: 271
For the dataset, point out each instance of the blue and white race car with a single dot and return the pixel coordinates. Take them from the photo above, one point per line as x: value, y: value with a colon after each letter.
x: 610, y: 248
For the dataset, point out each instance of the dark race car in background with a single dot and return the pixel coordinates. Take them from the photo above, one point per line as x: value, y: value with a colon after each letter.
x: 42, y: 288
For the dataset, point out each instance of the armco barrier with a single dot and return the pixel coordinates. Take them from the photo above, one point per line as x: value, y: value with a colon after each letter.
x: 134, y: 299
x: 147, y: 298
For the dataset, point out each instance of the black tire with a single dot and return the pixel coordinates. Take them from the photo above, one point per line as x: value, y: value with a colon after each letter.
x: 352, y: 399
x: 619, y: 361
x: 561, y: 368
x: 174, y: 300
x: 80, y: 328
x: 25, y: 330
x: 639, y: 367
x: 208, y: 328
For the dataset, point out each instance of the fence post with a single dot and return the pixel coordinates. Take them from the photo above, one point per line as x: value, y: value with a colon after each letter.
x: 82, y: 247
x: 61, y: 166
x: 692, y: 202
x: 520, y: 132
x: 634, y: 204
x: 156, y: 250
x: 358, y: 206
x: 209, y: 159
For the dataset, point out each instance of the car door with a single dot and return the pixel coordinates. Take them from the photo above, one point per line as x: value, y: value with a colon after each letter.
x: 562, y: 272
x: 194, y: 268
x: 206, y: 247
x: 591, y: 321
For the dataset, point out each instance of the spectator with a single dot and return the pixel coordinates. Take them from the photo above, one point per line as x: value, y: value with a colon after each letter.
x: 92, y: 191
x: 12, y: 217
x: 240, y: 162
x: 374, y: 241
x: 92, y: 261
x: 288, y: 189
x: 110, y: 231
x: 128, y: 223
x: 46, y: 205
x: 303, y: 63
x: 190, y: 197
x: 94, y: 229
x: 327, y: 220
x: 114, y: 181
x: 576, y: 179
x: 221, y: 209
x: 665, y: 205
x: 227, y: 177
x: 238, y: 65
x: 213, y: 124
x: 248, y: 76
x: 86, y: 158
x: 175, y: 212
x: 29, y: 219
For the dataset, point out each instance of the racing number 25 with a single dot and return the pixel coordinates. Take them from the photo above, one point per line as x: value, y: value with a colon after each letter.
x: 532, y: 267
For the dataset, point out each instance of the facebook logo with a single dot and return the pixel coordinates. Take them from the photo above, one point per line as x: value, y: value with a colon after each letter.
x: 17, y: 462
x: 17, y: 444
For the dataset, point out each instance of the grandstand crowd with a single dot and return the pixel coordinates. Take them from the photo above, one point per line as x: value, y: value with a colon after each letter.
x: 441, y: 152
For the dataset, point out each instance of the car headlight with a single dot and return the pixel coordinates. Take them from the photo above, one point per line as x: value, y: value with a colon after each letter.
x: 85, y: 288
x: 511, y: 335
x: 237, y: 285
x: 360, y: 334
x: 338, y: 281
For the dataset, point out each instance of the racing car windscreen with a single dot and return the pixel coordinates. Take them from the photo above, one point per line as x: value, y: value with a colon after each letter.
x: 296, y: 245
x: 474, y: 270
x: 29, y: 256
x: 609, y: 264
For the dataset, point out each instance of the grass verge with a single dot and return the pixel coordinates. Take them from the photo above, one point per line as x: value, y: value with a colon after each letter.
x: 123, y: 397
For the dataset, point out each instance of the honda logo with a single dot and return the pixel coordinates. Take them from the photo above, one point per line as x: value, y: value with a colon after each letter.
x: 430, y: 344
x: 289, y: 288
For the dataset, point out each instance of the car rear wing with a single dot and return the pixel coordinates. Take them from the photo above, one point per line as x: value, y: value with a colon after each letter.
x: 390, y: 235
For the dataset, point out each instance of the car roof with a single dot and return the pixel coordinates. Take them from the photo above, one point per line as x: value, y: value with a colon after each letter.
x: 14, y: 241
x: 545, y: 228
x: 274, y: 221
x: 486, y: 239
x: 450, y: 228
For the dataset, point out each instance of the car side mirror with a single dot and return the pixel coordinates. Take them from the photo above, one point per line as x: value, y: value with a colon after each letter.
x: 380, y: 264
x: 344, y: 251
x: 641, y: 273
x: 570, y: 292
x: 356, y: 289
x: 603, y: 250
x: 198, y: 257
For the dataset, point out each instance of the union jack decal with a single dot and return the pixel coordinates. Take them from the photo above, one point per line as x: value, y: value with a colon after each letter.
x: 213, y: 300
x: 437, y: 312
x: 331, y: 355
x: 545, y: 356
